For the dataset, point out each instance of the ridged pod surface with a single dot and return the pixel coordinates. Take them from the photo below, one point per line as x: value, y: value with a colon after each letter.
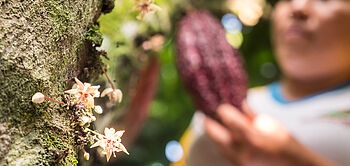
x: 210, y: 68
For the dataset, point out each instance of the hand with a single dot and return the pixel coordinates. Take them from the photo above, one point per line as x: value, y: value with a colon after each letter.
x: 257, y: 140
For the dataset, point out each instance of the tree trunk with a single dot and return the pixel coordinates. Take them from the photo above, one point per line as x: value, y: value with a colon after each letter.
x: 43, y: 46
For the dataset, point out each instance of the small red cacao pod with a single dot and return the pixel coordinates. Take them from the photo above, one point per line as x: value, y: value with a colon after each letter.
x: 210, y: 68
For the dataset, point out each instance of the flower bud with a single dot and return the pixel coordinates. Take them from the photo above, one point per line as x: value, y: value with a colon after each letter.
x: 113, y: 95
x: 106, y: 92
x: 86, y: 155
x: 38, y: 98
x: 84, y: 120
x: 93, y: 118
x: 117, y: 95
x: 98, y: 109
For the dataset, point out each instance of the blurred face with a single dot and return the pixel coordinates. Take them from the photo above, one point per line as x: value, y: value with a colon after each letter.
x: 312, y: 38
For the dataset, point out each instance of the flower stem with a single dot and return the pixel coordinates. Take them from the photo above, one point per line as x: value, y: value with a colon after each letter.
x: 109, y: 80
x: 48, y: 98
x: 96, y: 133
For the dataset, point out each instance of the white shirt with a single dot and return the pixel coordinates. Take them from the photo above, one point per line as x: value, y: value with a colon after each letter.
x: 320, y: 122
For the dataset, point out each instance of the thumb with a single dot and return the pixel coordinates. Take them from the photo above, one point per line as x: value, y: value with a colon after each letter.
x: 269, y: 126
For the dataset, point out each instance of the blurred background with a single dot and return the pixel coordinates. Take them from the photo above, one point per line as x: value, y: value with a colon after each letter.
x: 139, y: 38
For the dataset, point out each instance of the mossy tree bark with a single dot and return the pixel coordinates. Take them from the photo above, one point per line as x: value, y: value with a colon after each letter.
x: 42, y: 47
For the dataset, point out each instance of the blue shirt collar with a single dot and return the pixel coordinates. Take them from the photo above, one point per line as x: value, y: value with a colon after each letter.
x: 277, y: 94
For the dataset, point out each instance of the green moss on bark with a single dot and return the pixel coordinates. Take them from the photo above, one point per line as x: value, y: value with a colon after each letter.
x: 40, y: 44
x: 94, y: 35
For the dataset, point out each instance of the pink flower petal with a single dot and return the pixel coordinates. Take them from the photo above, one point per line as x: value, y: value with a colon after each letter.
x: 89, y: 102
x: 92, y: 89
x: 122, y: 147
x: 108, y: 154
x: 119, y: 133
x: 109, y: 132
x: 96, y: 144
x: 80, y: 84
x: 87, y: 85
x: 71, y: 91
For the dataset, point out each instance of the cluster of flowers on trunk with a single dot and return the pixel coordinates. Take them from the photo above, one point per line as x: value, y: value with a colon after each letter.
x: 82, y: 95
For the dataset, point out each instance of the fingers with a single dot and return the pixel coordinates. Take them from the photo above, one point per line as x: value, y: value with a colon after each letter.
x: 217, y: 132
x: 247, y: 110
x: 233, y: 119
x: 222, y: 138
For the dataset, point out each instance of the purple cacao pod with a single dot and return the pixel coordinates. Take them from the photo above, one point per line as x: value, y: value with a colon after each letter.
x: 210, y: 68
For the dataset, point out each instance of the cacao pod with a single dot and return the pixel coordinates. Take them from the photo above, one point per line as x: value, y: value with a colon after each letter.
x: 210, y: 68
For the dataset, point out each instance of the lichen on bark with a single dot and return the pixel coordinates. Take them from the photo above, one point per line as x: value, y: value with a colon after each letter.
x: 40, y: 44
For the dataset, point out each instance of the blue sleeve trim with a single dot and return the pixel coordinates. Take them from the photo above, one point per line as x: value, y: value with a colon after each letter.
x: 277, y: 94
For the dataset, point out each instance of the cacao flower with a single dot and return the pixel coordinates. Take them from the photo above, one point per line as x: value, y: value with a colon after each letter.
x: 210, y: 68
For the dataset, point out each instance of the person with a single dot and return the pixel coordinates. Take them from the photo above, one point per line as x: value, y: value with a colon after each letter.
x: 304, y: 118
